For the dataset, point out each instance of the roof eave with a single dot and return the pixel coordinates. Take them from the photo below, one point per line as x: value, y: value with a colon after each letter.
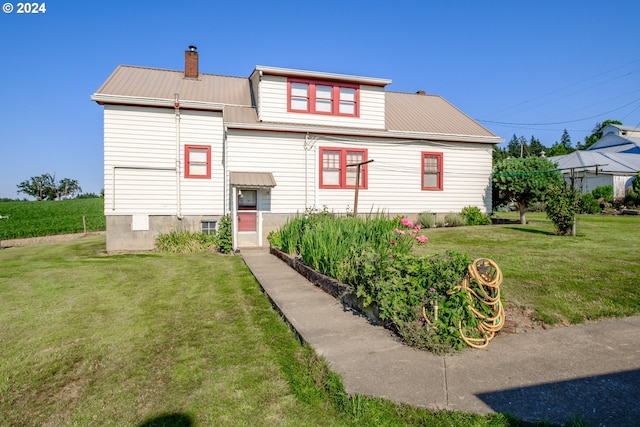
x: 102, y: 99
x: 368, y: 132
x: 261, y: 69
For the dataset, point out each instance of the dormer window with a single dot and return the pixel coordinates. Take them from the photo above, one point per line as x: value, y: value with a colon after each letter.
x: 319, y: 97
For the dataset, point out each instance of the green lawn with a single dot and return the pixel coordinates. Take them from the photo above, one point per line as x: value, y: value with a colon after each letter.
x: 564, y: 279
x: 91, y: 339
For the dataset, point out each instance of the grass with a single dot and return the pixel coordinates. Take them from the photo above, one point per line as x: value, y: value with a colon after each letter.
x: 164, y: 339
x: 47, y: 218
x: 564, y: 279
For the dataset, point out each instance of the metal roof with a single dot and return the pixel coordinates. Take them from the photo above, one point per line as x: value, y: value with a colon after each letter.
x: 406, y: 115
x: 252, y: 179
x: 614, y: 154
x: 609, y: 162
x: 153, y: 83
x: 408, y: 112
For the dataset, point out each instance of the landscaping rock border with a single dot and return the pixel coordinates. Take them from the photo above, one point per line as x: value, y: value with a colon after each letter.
x: 346, y: 294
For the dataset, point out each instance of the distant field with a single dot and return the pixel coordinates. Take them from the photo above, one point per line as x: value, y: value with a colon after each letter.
x: 47, y: 218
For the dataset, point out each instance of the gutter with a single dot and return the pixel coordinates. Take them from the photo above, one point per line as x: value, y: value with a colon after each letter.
x: 368, y: 133
x: 155, y: 102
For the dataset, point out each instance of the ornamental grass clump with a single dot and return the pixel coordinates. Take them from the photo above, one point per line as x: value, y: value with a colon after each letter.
x: 373, y: 256
x: 183, y: 241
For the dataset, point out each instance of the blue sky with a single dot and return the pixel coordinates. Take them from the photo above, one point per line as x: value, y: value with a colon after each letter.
x: 519, y: 67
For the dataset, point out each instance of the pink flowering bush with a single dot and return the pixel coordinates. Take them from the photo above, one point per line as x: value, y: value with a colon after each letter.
x: 406, y: 234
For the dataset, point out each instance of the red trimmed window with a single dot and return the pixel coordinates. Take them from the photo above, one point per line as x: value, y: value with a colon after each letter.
x: 432, y: 171
x: 197, y: 161
x: 334, y: 169
x: 316, y: 97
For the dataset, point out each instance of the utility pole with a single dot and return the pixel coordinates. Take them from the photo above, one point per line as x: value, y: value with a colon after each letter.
x: 355, y: 201
x: 573, y: 186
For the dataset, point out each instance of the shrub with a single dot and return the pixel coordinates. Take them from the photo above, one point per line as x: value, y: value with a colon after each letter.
x: 454, y: 220
x: 225, y: 239
x: 631, y: 199
x: 402, y: 285
x: 473, y: 216
x: 427, y: 219
x: 603, y: 192
x: 589, y: 204
x: 636, y: 183
x: 561, y: 208
x: 274, y: 239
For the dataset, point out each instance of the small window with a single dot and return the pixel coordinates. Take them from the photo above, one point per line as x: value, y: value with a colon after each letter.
x: 208, y: 227
x: 432, y: 171
x: 197, y: 161
x: 337, y: 170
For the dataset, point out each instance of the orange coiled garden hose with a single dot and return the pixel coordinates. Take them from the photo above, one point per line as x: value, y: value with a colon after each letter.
x: 488, y: 276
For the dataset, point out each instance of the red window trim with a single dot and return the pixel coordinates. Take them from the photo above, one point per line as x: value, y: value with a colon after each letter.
x: 439, y: 156
x: 187, y: 168
x: 364, y: 184
x: 335, y: 104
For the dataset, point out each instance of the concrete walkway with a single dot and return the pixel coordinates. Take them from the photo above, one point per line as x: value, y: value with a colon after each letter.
x: 591, y: 371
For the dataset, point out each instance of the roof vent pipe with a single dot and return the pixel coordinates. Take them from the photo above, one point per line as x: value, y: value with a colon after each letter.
x: 191, y: 62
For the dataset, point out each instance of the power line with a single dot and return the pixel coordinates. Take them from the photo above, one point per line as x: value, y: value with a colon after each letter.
x: 574, y: 84
x: 558, y: 123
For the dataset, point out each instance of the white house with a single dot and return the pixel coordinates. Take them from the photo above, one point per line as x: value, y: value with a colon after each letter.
x: 182, y: 149
x: 613, y: 160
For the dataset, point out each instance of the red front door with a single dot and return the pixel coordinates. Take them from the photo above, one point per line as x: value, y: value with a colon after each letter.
x: 247, y: 210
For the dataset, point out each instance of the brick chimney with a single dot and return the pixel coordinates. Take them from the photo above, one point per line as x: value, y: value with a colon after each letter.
x: 191, y: 62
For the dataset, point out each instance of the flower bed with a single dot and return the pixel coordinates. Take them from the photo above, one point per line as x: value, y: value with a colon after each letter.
x: 372, y: 268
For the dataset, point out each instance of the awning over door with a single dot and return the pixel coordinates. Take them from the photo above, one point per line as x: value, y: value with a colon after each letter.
x: 252, y: 179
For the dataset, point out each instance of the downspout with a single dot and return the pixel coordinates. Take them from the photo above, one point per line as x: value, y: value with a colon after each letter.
x: 306, y: 174
x: 178, y: 194
x: 225, y: 181
x: 316, y: 178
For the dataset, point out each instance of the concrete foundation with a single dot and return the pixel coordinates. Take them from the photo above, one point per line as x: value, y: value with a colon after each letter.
x: 126, y: 234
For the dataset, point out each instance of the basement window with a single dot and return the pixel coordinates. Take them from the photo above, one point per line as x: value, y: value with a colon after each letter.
x: 208, y: 227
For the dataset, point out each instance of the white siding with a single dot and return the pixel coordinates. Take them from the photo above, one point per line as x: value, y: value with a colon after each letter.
x: 283, y: 154
x: 272, y: 107
x: 139, y: 153
x: 140, y: 161
x: 394, y: 178
x: 202, y: 196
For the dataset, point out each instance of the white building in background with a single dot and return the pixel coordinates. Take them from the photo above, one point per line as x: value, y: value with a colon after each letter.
x: 613, y: 160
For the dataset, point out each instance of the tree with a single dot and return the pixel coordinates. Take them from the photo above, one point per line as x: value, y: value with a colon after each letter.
x: 517, y: 146
x: 563, y: 147
x: 41, y: 187
x: 561, y: 207
x: 67, y: 188
x: 45, y: 187
x: 525, y: 180
x: 498, y: 154
x: 535, y: 147
x: 596, y: 133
